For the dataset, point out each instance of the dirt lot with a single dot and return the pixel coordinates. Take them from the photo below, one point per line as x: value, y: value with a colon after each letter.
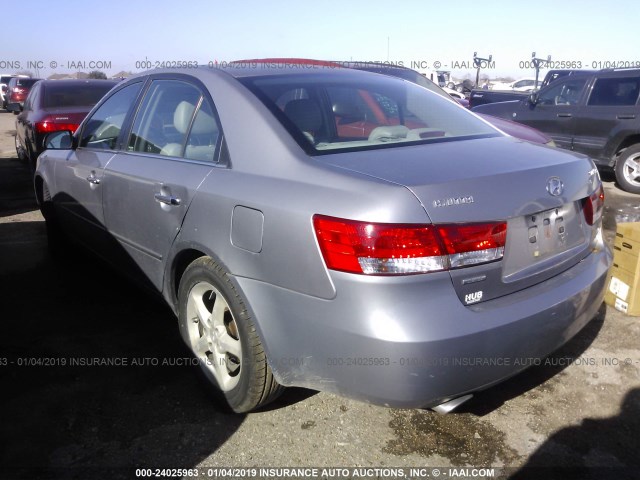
x: 574, y: 416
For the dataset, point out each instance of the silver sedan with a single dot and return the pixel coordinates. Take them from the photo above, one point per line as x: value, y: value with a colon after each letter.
x: 332, y: 229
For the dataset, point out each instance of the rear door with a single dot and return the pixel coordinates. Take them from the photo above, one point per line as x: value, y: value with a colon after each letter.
x: 172, y: 146
x: 554, y: 112
x: 610, y: 114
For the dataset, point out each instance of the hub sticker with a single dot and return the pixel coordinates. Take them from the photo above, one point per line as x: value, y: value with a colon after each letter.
x: 473, y: 297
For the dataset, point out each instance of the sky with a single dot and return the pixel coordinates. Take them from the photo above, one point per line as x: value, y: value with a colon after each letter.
x: 131, y: 35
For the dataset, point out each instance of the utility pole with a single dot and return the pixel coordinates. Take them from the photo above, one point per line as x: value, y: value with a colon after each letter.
x: 478, y: 62
x: 539, y: 63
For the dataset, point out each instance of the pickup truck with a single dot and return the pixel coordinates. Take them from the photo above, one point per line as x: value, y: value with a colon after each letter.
x: 596, y: 113
x: 480, y: 96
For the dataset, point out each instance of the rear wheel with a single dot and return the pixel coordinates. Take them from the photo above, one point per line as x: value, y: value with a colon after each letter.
x: 628, y: 169
x: 215, y: 324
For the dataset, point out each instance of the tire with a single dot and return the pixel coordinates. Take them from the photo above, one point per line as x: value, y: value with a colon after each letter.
x: 19, y: 152
x: 57, y: 241
x: 451, y: 85
x: 628, y: 169
x: 216, y: 326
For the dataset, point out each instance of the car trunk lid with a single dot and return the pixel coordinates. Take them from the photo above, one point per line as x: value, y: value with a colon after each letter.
x: 538, y: 191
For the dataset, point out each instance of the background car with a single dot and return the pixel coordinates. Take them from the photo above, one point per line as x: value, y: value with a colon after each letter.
x: 54, y: 105
x: 17, y: 91
x: 526, y: 84
x: 4, y: 81
x: 332, y: 229
x: 465, y: 87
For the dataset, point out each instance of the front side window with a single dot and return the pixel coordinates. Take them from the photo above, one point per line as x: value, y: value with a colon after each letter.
x: 175, y: 120
x: 615, y: 91
x: 102, y: 130
x: 370, y: 111
x: 566, y: 93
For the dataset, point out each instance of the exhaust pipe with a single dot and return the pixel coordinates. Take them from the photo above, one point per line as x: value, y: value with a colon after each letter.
x: 451, y: 405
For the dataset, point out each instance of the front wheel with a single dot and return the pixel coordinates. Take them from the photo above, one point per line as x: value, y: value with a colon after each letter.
x: 19, y: 149
x: 215, y: 324
x: 628, y: 169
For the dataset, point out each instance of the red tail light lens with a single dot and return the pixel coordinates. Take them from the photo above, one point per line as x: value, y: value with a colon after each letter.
x: 49, y: 125
x: 474, y: 243
x: 401, y: 249
x: 593, y: 205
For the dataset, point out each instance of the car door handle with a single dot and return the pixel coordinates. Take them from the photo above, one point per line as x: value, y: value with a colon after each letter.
x: 625, y: 117
x: 167, y: 199
x: 564, y: 115
x: 93, y: 180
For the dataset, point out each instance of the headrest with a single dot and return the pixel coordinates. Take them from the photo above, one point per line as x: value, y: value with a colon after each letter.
x: 305, y: 114
x: 204, y: 122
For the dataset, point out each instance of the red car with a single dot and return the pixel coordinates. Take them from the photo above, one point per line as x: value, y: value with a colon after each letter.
x: 17, y: 91
x: 54, y: 105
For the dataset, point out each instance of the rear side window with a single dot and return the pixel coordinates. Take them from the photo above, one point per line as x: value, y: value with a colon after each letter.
x: 615, y: 91
x: 26, y: 82
x: 32, y: 99
x: 175, y: 120
x: 101, y: 131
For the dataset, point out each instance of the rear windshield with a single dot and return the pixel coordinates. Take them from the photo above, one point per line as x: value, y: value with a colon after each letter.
x: 5, y: 79
x: 326, y: 113
x: 74, y: 95
x: 26, y: 82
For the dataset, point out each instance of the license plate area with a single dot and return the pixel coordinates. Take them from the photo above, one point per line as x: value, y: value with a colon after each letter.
x: 547, y: 233
x: 539, y: 241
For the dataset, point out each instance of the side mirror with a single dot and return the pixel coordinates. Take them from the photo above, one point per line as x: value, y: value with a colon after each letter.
x: 62, y: 140
x: 533, y: 98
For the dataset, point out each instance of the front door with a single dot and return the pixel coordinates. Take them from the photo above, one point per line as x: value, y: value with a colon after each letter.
x: 555, y: 109
x: 80, y: 207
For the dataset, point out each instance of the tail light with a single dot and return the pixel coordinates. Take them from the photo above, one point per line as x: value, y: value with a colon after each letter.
x: 593, y: 205
x: 49, y: 124
x: 402, y: 249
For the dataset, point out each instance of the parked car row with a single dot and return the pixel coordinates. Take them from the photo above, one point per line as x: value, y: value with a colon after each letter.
x: 367, y: 228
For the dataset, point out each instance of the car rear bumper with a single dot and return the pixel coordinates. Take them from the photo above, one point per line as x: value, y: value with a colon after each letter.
x: 15, y: 106
x: 409, y: 342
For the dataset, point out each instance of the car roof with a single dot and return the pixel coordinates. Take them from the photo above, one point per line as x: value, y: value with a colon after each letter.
x: 284, y: 66
x: 74, y: 81
x: 256, y: 68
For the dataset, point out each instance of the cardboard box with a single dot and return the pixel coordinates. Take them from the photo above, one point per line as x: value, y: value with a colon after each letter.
x: 623, y: 282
